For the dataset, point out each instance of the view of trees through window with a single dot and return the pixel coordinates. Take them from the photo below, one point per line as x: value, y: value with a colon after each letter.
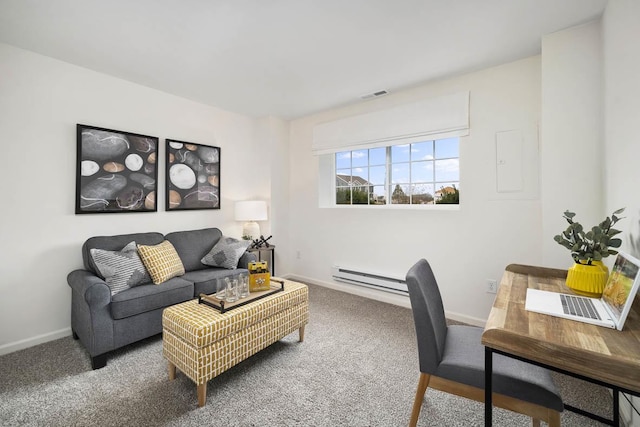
x: 420, y: 173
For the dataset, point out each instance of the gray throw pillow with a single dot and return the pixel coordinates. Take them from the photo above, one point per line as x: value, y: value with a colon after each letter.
x: 121, y: 269
x: 226, y: 253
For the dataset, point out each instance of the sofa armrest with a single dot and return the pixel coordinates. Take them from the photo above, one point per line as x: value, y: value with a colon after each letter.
x: 246, y: 258
x: 91, y: 317
x: 94, y: 290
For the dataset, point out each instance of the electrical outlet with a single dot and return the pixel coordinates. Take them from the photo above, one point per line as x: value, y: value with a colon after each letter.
x: 492, y: 286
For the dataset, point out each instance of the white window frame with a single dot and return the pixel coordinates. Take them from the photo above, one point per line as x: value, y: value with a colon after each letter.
x: 389, y: 187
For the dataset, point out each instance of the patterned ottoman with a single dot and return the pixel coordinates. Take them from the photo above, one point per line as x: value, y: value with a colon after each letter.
x: 202, y: 343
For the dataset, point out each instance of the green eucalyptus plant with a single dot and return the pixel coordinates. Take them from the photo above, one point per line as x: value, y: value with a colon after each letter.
x: 592, y: 245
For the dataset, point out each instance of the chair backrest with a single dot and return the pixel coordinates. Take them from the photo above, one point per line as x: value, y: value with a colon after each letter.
x: 428, y: 315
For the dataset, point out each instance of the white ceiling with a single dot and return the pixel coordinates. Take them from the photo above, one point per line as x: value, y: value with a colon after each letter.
x: 286, y: 58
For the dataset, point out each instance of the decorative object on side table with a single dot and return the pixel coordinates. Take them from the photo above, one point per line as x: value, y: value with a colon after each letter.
x: 115, y: 171
x: 258, y: 243
x: 251, y: 211
x: 588, y: 275
x: 192, y: 176
x: 259, y: 276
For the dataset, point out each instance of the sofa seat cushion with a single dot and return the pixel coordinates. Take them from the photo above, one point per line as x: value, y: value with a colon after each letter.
x: 143, y: 298
x: 205, y: 280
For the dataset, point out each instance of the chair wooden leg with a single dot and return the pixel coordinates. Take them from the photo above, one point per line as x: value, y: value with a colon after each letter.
x: 417, y: 403
x: 535, y: 422
x: 554, y: 418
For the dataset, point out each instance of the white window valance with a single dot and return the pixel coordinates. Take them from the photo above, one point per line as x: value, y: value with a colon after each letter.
x: 433, y: 118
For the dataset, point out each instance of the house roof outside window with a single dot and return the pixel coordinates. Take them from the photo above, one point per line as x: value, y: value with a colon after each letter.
x: 351, y: 180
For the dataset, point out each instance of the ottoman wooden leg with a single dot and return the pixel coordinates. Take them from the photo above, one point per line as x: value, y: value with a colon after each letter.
x: 202, y: 394
x: 301, y: 333
x: 172, y: 371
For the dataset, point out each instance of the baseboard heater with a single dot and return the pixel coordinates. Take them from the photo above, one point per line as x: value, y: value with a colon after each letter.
x: 371, y: 280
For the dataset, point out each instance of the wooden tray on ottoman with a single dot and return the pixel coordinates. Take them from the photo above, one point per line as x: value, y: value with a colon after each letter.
x: 202, y: 342
x: 223, y: 306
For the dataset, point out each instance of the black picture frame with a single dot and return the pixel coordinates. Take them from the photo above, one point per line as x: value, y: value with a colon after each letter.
x: 116, y: 171
x: 192, y: 176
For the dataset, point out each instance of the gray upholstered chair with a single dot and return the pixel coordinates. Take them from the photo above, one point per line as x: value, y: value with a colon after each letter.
x: 452, y: 360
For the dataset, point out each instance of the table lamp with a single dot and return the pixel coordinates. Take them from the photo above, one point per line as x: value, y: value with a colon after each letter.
x: 251, y: 211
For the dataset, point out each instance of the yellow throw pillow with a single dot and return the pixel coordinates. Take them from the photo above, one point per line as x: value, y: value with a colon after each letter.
x: 162, y: 261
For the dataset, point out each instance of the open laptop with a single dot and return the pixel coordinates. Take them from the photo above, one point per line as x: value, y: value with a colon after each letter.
x: 609, y: 311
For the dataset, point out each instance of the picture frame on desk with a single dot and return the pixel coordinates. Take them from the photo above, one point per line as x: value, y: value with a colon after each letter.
x: 623, y: 283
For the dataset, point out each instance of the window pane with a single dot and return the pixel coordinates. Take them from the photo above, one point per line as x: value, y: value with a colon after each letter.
x: 400, y: 195
x: 359, y: 158
x: 343, y: 160
x: 379, y: 195
x: 343, y: 195
x: 422, y: 171
x: 400, y: 153
x: 447, y: 148
x: 448, y: 193
x: 400, y: 173
x: 378, y: 156
x: 378, y: 175
x: 343, y: 177
x: 422, y: 151
x: 422, y: 194
x: 360, y: 176
x: 360, y: 195
x: 447, y: 170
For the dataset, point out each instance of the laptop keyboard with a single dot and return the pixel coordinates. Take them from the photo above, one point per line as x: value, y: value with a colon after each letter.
x: 582, y: 307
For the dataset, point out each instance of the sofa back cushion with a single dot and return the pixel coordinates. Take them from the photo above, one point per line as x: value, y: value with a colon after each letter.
x: 193, y: 245
x: 115, y: 243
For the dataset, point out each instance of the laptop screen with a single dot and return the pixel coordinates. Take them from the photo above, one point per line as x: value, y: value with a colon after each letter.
x: 622, y: 286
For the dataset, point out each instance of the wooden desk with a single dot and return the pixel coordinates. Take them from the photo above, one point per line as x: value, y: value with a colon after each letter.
x: 603, y: 356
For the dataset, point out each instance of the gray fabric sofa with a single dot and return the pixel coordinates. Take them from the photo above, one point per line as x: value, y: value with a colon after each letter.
x: 103, y: 322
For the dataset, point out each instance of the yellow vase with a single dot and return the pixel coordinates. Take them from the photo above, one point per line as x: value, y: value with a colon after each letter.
x: 588, y: 280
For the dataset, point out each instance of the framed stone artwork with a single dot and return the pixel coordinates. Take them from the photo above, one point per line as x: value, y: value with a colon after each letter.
x: 116, y: 171
x: 192, y: 176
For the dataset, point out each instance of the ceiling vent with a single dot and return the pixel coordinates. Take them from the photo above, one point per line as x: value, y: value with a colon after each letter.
x: 374, y: 94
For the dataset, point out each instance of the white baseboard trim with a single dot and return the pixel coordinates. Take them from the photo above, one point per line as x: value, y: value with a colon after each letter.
x: 33, y: 341
x: 388, y: 297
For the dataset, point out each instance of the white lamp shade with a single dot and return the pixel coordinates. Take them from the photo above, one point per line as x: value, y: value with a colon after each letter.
x: 253, y: 210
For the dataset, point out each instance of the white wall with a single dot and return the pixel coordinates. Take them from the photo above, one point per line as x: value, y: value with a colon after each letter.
x: 273, y: 135
x: 571, y: 134
x: 42, y: 100
x: 621, y: 32
x: 465, y: 246
x: 622, y: 112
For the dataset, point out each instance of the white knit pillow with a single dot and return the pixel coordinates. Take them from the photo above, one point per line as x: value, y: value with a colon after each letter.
x: 121, y: 269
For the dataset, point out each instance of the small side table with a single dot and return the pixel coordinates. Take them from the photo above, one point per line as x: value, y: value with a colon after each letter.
x: 262, y: 254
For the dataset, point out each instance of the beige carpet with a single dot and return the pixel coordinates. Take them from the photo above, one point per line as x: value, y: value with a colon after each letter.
x: 358, y: 366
